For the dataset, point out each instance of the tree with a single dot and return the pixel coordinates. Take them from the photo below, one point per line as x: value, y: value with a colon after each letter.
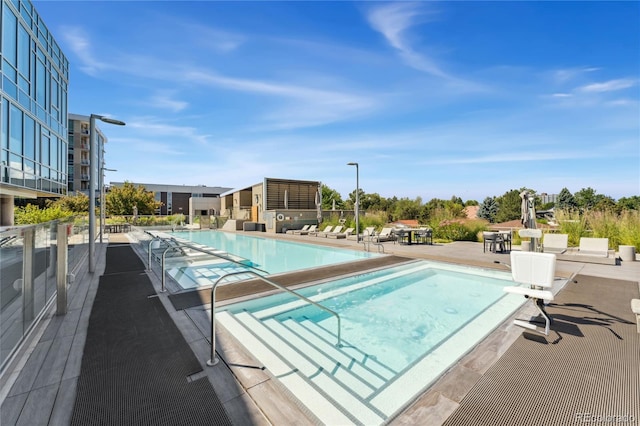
x: 629, y: 203
x: 586, y: 198
x: 406, y: 208
x: 510, y: 206
x: 120, y: 200
x: 78, y: 203
x: 329, y: 196
x: 488, y: 209
x: 566, y: 201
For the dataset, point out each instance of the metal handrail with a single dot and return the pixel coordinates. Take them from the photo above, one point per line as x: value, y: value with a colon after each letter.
x: 368, y: 240
x: 214, y: 360
x: 179, y: 245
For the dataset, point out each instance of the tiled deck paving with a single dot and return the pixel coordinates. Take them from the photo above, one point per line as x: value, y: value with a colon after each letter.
x: 41, y: 386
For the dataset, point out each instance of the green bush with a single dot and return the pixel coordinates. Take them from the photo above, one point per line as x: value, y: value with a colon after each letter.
x: 31, y: 214
x: 455, y: 231
x: 620, y: 228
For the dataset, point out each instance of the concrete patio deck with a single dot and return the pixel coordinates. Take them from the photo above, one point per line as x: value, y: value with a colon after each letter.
x: 39, y: 386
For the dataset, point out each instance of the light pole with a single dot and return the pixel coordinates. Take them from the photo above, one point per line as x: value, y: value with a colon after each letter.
x: 92, y: 184
x: 357, y: 207
x: 103, y: 207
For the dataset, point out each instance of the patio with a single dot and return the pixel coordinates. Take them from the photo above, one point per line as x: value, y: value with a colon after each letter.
x: 42, y: 386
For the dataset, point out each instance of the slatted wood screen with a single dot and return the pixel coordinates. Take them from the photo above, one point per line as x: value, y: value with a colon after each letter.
x: 300, y: 194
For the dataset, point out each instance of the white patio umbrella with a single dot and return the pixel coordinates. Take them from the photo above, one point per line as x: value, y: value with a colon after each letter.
x: 319, y: 207
x: 528, y: 216
x: 528, y: 210
x: 286, y: 199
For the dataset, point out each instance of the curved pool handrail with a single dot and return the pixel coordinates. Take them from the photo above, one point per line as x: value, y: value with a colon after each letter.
x: 214, y: 360
x: 174, y: 244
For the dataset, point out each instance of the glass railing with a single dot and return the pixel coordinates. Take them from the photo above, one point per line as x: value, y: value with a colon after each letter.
x: 31, y: 269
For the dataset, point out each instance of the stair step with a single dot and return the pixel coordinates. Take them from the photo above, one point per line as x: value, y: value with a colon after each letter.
x: 356, y: 383
x: 313, y: 373
x: 340, y: 355
x: 362, y: 358
x: 322, y: 408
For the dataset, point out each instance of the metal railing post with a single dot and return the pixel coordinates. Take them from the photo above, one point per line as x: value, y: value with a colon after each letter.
x: 28, y: 263
x: 62, y: 243
x: 214, y: 359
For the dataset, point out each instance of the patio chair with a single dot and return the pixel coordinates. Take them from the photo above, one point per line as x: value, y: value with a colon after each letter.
x: 635, y: 308
x: 385, y: 235
x: 369, y: 231
x: 327, y: 229
x: 324, y: 234
x: 594, y: 247
x: 312, y: 228
x: 555, y: 243
x: 424, y: 236
x: 339, y: 235
x: 493, y: 240
x: 295, y: 231
x: 402, y: 235
x: 537, y: 271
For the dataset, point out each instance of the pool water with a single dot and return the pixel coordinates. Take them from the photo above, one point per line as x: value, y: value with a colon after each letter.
x: 396, y: 315
x: 267, y: 254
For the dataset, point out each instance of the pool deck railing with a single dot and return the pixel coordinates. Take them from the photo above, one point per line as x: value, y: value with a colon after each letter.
x: 39, y: 387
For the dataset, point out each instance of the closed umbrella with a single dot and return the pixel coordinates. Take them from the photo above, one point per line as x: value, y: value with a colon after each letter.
x: 528, y: 211
x: 318, y: 207
x: 528, y: 216
x: 286, y: 199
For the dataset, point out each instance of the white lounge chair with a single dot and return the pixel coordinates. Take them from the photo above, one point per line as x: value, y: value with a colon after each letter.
x: 339, y: 235
x: 385, y: 235
x: 325, y: 230
x: 369, y: 231
x: 324, y: 234
x: 296, y: 231
x: 594, y: 247
x: 537, y: 271
x: 312, y: 228
x: 555, y: 243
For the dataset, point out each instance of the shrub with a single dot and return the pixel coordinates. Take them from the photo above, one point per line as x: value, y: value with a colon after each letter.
x: 455, y: 231
x: 31, y: 214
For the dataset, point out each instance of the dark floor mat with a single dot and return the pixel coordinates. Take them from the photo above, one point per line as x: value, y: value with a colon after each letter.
x: 136, y: 363
x: 586, y: 369
x: 121, y: 258
x: 189, y: 299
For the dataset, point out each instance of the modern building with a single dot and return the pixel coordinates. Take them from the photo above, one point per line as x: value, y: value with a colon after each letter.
x: 33, y: 102
x: 79, y: 158
x: 184, y: 199
x: 274, y: 205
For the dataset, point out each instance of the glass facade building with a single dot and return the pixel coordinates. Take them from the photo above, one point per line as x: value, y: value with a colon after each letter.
x: 34, y: 78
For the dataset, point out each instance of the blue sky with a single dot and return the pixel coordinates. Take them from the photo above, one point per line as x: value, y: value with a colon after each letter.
x: 432, y: 99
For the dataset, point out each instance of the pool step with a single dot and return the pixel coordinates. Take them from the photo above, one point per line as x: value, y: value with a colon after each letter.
x: 343, y: 385
x: 333, y: 392
x: 316, y: 331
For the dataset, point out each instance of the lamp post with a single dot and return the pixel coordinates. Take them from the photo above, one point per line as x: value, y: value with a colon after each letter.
x: 103, y: 207
x: 357, y: 207
x: 92, y: 184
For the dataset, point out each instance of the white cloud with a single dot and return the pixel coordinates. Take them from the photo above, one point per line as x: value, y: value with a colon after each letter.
x: 304, y: 106
x: 568, y: 74
x: 150, y: 127
x: 393, y: 21
x: 609, y: 86
x: 163, y: 101
x: 80, y: 45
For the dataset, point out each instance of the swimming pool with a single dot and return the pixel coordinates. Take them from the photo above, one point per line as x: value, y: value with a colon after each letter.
x: 401, y: 327
x: 268, y: 254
